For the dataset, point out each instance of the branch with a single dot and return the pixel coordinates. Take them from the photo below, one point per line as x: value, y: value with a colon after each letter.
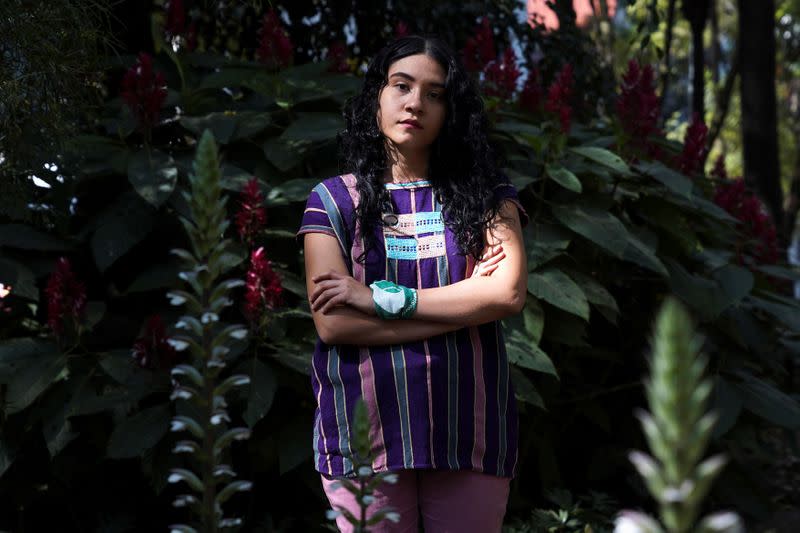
x: 724, y: 100
x: 667, y: 52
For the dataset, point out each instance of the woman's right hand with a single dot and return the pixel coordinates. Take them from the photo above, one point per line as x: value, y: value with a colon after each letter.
x: 489, y: 261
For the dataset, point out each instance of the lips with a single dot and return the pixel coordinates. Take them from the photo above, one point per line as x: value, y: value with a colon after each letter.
x: 413, y: 123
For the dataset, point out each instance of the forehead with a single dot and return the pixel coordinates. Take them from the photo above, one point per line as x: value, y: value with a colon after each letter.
x: 421, y: 67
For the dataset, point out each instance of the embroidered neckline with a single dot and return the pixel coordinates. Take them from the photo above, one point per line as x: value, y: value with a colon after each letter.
x: 408, y: 185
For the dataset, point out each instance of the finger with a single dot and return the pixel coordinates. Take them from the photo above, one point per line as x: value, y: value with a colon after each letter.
x: 333, y: 302
x: 487, y: 271
x: 323, y: 286
x: 330, y: 274
x: 323, y: 297
x: 495, y: 259
x: 492, y: 250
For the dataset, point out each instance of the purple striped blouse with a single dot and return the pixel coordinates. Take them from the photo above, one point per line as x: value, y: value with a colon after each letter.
x: 444, y: 403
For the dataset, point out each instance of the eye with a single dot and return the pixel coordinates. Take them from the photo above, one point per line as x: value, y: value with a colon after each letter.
x: 402, y: 86
x: 435, y: 95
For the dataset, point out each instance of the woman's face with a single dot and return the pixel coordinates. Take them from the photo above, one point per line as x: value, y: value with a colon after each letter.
x: 412, y: 107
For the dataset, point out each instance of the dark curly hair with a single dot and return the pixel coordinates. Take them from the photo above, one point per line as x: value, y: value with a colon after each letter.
x: 463, y: 168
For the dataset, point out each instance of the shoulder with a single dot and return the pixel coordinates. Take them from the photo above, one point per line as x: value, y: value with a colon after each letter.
x: 340, y: 188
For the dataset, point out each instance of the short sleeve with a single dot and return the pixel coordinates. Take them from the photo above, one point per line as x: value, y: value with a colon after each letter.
x: 505, y: 190
x: 323, y: 215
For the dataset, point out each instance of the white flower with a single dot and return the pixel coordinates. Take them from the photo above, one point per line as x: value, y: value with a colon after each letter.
x: 723, y: 522
x: 633, y: 522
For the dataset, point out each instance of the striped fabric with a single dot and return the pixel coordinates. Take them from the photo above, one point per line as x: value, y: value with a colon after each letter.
x: 446, y: 402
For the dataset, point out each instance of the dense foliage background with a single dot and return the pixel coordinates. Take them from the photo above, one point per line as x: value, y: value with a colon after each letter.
x: 628, y: 190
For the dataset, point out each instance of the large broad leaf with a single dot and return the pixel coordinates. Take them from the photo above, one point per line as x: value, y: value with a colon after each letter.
x: 261, y: 391
x: 19, y: 278
x: 671, y: 179
x: 140, y: 432
x: 604, y: 157
x: 596, y: 294
x: 524, y: 389
x: 556, y: 288
x: 710, y: 297
x: 285, y: 155
x: 26, y: 238
x: 153, y: 175
x: 28, y: 367
x: 564, y: 177
x: 639, y: 252
x: 313, y: 127
x: 222, y: 125
x: 595, y: 224
x: 120, y: 228
x: 544, y: 242
x: 156, y: 277
x: 787, y: 315
x: 523, y: 332
x: 769, y: 403
x: 294, y: 439
x: 727, y: 403
x: 295, y: 190
x: 55, y: 411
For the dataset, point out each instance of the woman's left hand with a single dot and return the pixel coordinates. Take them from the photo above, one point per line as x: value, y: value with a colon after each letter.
x: 339, y: 289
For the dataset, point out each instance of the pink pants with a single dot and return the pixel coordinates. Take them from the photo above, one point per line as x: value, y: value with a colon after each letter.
x: 459, y: 501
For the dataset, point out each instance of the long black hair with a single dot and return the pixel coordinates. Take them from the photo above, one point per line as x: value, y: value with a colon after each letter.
x: 462, y: 167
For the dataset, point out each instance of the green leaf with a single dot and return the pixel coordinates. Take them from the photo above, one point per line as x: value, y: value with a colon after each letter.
x: 604, y: 157
x: 134, y: 435
x: 153, y: 175
x: 313, y: 126
x: 120, y: 228
x: 564, y: 177
x: 19, y: 278
x: 261, y: 391
x: 595, y: 224
x: 222, y: 125
x: 26, y: 238
x: 787, y: 315
x: 544, y: 242
x: 727, y: 403
x: 524, y: 389
x: 637, y: 251
x: 556, y: 288
x: 710, y: 297
x: 675, y: 181
x: 595, y: 293
x: 770, y: 403
x: 27, y: 379
x: 295, y: 190
x: 294, y: 449
x: 522, y: 332
x: 155, y: 277
x: 285, y: 155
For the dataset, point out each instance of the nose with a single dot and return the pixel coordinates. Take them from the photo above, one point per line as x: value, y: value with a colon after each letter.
x: 414, y: 102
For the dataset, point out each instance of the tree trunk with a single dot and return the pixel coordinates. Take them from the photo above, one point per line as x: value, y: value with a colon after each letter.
x: 759, y: 114
x: 696, y: 12
x: 667, y: 71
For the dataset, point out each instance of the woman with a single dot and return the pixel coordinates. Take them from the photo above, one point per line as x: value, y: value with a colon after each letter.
x: 410, y: 261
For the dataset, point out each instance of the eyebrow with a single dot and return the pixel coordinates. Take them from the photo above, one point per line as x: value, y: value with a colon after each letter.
x: 409, y: 77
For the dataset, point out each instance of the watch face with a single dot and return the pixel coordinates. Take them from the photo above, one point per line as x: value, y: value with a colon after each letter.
x: 390, y: 219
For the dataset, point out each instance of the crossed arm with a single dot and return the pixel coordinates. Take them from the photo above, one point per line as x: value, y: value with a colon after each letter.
x: 342, y: 307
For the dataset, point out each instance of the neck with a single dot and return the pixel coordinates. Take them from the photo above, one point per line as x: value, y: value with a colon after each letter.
x: 406, y: 167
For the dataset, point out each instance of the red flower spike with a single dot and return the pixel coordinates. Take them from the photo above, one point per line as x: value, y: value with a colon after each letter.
x: 719, y: 168
x: 275, y: 49
x: 501, y: 76
x: 144, y: 91
x: 479, y: 50
x: 251, y: 217
x: 694, y: 147
x: 559, y: 96
x: 401, y: 30
x: 532, y: 96
x: 263, y: 290
x: 66, y: 297
x: 758, y: 227
x: 337, y: 55
x: 152, y: 349
x: 638, y: 106
x: 176, y: 18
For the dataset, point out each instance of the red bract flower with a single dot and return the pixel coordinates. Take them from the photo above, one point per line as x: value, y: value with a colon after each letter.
x: 502, y: 75
x: 719, y: 168
x: 274, y: 46
x: 757, y: 225
x: 532, y: 95
x: 337, y: 55
x: 559, y: 96
x: 152, y: 349
x: 191, y: 37
x: 262, y: 287
x: 176, y: 18
x: 66, y: 297
x: 400, y: 30
x: 638, y: 106
x: 694, y: 147
x: 479, y: 50
x: 252, y: 216
x: 144, y: 91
